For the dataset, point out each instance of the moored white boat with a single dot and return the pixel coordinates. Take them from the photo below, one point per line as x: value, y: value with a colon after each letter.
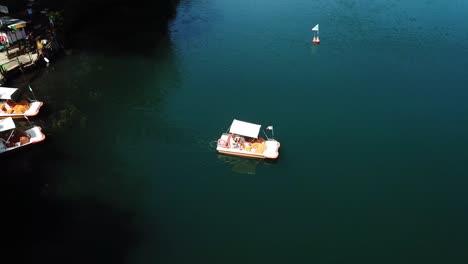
x: 10, y: 108
x: 12, y: 138
x: 243, y: 140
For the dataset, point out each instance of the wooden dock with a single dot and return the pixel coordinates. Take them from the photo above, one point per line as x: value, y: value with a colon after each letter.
x: 15, y: 60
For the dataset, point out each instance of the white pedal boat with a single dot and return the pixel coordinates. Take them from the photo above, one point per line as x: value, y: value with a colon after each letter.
x: 10, y: 108
x: 243, y: 140
x: 12, y: 138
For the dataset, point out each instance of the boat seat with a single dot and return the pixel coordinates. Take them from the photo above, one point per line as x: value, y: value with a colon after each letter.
x: 271, y: 146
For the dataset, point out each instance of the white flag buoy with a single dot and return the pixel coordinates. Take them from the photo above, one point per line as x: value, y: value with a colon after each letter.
x: 316, y: 28
x: 316, y: 39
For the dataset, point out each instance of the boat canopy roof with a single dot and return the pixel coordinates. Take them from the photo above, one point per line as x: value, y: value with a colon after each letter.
x: 7, y: 124
x: 7, y: 93
x: 245, y: 129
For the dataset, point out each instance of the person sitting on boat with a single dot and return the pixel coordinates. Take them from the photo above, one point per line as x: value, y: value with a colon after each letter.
x: 233, y: 141
x: 238, y: 143
x: 241, y: 142
x: 230, y: 140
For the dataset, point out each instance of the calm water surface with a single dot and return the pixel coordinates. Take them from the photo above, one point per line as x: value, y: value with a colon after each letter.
x: 373, y: 125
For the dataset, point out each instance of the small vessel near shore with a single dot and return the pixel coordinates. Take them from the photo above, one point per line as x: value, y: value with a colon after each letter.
x: 243, y: 140
x: 12, y: 138
x: 10, y: 108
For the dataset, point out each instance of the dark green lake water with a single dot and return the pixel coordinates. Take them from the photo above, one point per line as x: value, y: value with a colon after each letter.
x: 373, y: 125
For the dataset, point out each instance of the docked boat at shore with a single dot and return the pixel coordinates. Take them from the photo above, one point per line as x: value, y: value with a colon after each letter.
x: 10, y: 108
x: 12, y: 138
x: 243, y: 140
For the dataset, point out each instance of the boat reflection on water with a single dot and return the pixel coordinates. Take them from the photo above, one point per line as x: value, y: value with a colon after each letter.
x: 241, y: 165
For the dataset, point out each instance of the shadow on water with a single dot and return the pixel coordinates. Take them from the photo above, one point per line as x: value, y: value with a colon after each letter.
x: 56, y: 209
x: 110, y: 26
x: 43, y: 229
x: 81, y: 231
x: 118, y: 27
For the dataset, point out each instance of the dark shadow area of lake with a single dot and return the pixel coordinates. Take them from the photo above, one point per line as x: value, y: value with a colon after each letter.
x: 118, y: 27
x: 42, y: 224
x: 42, y: 228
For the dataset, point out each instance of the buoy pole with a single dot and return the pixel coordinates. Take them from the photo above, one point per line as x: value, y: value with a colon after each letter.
x: 316, y: 39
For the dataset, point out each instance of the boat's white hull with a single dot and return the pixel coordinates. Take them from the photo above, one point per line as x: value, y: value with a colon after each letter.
x: 241, y: 153
x: 35, y: 134
x: 33, y: 110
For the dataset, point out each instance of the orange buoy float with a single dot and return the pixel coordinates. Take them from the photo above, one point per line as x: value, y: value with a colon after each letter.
x: 316, y: 40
